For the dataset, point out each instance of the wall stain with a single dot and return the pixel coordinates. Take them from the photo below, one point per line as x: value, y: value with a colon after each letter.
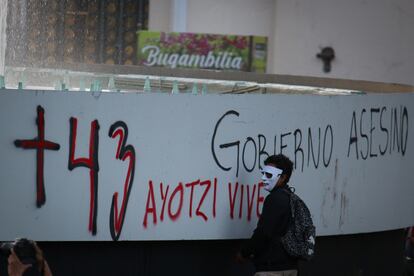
x: 326, y: 190
x: 344, y: 205
x: 330, y: 195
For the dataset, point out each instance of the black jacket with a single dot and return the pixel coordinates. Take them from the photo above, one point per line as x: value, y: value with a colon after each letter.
x: 264, y: 245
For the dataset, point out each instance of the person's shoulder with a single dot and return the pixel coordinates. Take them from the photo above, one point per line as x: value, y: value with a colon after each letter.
x: 283, y: 191
x: 281, y: 194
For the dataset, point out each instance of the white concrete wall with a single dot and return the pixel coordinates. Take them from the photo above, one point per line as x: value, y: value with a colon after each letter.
x: 355, y: 175
x: 159, y: 15
x: 373, y: 39
x: 244, y: 17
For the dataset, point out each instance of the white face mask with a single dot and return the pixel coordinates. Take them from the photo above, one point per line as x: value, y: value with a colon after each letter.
x: 270, y: 177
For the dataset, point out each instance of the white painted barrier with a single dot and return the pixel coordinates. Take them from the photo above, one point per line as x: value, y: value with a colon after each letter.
x: 187, y: 167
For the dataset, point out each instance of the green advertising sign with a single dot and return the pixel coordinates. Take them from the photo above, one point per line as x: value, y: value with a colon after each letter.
x: 206, y: 51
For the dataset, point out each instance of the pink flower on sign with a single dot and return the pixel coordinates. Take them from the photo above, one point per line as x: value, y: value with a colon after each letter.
x: 241, y: 42
x: 181, y: 38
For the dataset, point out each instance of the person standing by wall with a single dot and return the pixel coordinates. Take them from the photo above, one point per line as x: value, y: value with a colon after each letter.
x: 264, y: 248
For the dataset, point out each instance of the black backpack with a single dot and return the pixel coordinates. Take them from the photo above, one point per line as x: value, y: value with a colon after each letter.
x: 299, y: 240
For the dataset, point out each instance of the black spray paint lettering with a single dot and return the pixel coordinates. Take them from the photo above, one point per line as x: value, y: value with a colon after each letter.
x: 91, y: 162
x: 40, y: 144
x: 227, y: 145
x: 116, y: 219
x: 251, y: 151
x: 382, y: 136
x: 327, y: 149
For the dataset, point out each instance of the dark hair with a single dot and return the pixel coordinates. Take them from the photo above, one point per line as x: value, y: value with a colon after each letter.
x: 23, y: 248
x: 27, y: 252
x: 282, y: 162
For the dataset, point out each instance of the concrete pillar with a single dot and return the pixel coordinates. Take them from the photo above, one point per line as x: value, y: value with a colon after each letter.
x: 179, y: 15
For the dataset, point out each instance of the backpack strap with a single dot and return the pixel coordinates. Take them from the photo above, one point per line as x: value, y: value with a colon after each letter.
x: 291, y: 192
x: 288, y: 189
